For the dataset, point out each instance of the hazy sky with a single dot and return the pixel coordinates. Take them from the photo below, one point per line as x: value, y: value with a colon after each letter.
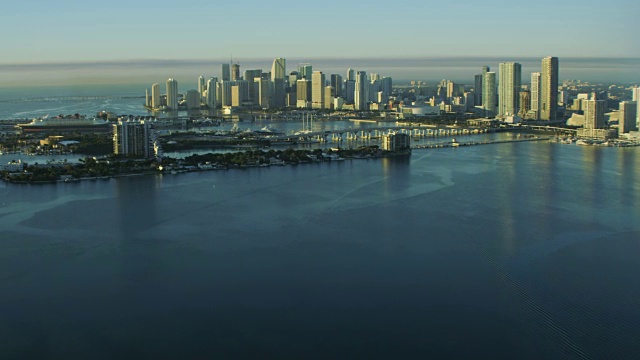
x: 41, y: 31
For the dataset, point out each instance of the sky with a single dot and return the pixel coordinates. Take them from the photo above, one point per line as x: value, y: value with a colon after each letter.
x: 88, y: 31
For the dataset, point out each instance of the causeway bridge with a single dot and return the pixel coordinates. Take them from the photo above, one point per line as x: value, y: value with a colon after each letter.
x: 352, y: 134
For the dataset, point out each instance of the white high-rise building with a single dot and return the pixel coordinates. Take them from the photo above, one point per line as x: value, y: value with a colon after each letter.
x: 508, y: 88
x: 635, y: 96
x: 172, y: 94
x: 155, y: 96
x: 489, y: 93
x: 317, y: 90
x: 535, y: 94
x: 132, y: 138
x: 360, y: 93
x: 202, y: 85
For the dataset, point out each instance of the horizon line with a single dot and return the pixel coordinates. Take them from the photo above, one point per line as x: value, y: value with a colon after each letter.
x: 222, y: 60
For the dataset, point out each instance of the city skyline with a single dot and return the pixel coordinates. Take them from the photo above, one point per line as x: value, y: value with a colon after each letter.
x: 122, y: 31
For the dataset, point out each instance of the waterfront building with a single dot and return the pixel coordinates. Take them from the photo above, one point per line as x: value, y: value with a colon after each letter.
x: 155, y: 96
x: 478, y: 89
x: 226, y: 72
x: 489, y: 94
x: 627, y: 116
x: 336, y: 84
x: 508, y: 88
x: 317, y: 90
x: 396, y: 142
x: 635, y: 96
x: 360, y: 94
x: 535, y: 95
x: 172, y: 94
x: 132, y: 138
x: 524, y: 102
x: 594, y: 114
x: 549, y: 88
x: 193, y: 99
x: 211, y: 93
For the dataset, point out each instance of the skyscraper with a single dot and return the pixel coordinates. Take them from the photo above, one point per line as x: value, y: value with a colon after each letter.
x: 489, y: 93
x: 235, y: 72
x: 305, y: 71
x: 509, y: 88
x: 303, y: 93
x: 336, y: 84
x: 278, y: 79
x: 249, y: 76
x: 478, y: 89
x: 628, y: 115
x: 264, y: 92
x: 635, y: 96
x: 360, y: 95
x: 132, y: 138
x: 279, y: 69
x: 226, y: 72
x: 202, y: 85
x: 155, y: 96
x: 479, y: 85
x: 351, y: 75
x: 549, y: 88
x: 317, y: 90
x: 386, y: 86
x: 594, y: 114
x: 172, y: 94
x: 211, y: 93
x: 524, y: 103
x: 535, y: 95
x: 193, y: 99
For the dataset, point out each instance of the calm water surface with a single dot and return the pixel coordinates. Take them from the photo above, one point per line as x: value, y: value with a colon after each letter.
x: 522, y: 250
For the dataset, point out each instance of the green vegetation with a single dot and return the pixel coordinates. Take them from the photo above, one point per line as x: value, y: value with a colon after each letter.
x: 113, y: 166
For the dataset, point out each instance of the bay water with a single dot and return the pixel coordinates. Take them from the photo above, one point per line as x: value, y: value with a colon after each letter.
x: 516, y: 250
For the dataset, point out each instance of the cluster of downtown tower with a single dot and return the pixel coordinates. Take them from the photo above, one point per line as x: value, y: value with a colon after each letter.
x: 303, y: 88
x: 508, y: 98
